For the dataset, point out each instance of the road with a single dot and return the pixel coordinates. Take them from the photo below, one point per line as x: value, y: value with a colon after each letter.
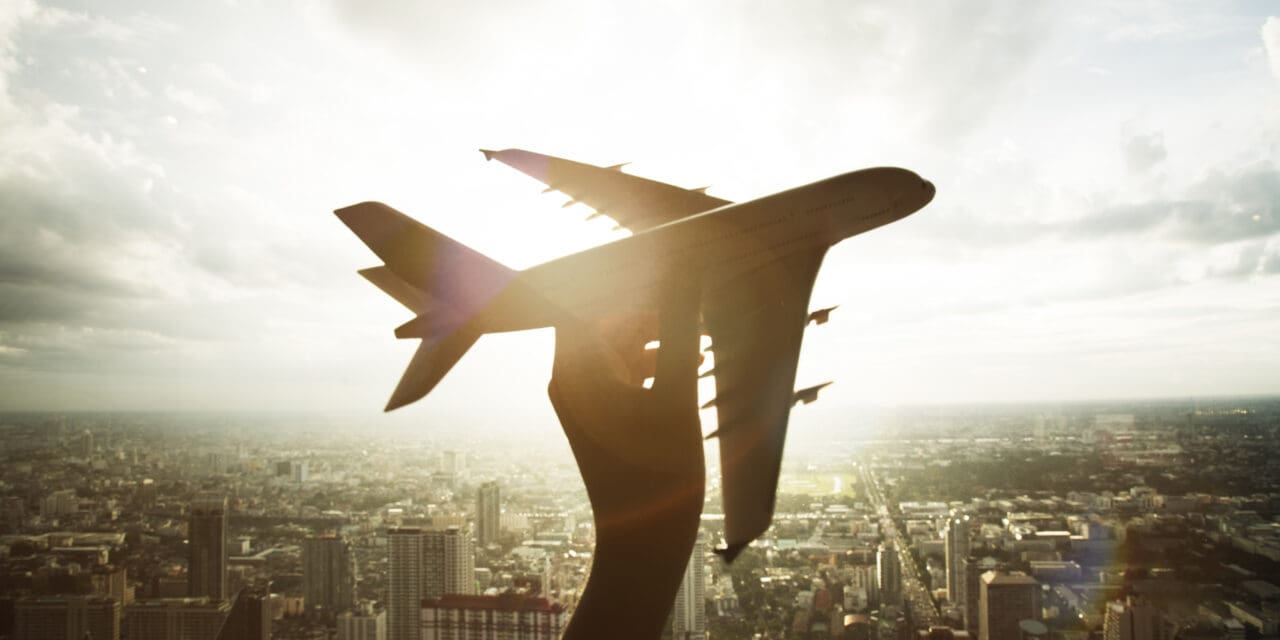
x: 923, y: 612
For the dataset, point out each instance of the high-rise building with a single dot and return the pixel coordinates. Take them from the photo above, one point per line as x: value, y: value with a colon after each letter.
x: 168, y: 618
x: 455, y: 562
x: 972, y: 594
x: 689, y: 613
x: 406, y: 585
x: 363, y: 623
x: 62, y: 617
x: 86, y: 444
x: 488, y: 514
x: 1005, y: 601
x: 888, y: 575
x: 1133, y: 620
x: 60, y: 503
x: 956, y: 549
x: 249, y: 617
x: 453, y: 462
x: 508, y: 615
x: 146, y: 494
x: 425, y: 564
x: 12, y: 511
x: 207, y: 536
x: 328, y: 574
x: 111, y: 582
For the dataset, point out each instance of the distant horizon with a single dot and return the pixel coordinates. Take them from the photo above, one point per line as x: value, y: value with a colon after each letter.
x: 1082, y: 402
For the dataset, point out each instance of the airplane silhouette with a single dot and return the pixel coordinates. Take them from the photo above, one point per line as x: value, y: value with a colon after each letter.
x: 754, y: 264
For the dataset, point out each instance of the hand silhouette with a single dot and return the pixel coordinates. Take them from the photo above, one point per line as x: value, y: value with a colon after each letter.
x: 640, y: 454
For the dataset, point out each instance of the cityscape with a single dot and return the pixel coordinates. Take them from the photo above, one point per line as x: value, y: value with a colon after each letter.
x: 1140, y: 520
x: 1031, y: 251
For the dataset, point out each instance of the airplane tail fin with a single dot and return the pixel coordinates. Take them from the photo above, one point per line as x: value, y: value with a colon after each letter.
x: 442, y: 280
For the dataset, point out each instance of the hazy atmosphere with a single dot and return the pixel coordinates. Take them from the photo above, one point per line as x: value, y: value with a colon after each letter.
x: 1106, y: 223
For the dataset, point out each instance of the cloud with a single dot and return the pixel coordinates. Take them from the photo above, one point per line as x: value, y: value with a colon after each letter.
x: 1250, y: 259
x: 1144, y: 151
x: 192, y: 101
x: 976, y: 56
x: 1271, y: 42
x: 1225, y: 206
x: 1271, y: 264
x: 1148, y: 31
x: 88, y: 250
x: 946, y: 69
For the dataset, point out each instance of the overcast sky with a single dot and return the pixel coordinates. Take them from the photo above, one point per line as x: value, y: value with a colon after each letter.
x: 1106, y: 223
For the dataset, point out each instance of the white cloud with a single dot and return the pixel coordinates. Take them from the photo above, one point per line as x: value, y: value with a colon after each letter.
x: 1144, y: 150
x: 1271, y: 41
x: 192, y: 101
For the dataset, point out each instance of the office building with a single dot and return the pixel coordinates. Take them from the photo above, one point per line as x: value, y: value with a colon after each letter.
x: 888, y: 575
x: 207, y: 546
x: 175, y: 618
x: 1005, y: 601
x: 689, y: 612
x: 509, y: 616
x: 488, y: 514
x: 328, y: 574
x: 66, y: 617
x: 956, y: 549
x: 1133, y: 620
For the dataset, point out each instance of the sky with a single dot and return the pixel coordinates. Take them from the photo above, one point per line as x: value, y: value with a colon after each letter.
x: 1106, y: 224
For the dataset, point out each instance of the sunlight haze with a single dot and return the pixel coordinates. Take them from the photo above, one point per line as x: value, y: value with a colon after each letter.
x: 1106, y: 220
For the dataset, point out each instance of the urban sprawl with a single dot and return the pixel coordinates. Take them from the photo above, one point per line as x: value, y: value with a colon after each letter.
x: 1106, y: 521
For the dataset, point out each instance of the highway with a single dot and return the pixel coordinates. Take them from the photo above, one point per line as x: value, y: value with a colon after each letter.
x: 923, y: 613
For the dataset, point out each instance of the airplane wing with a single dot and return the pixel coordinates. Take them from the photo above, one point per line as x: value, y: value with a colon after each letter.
x: 756, y: 322
x: 635, y: 203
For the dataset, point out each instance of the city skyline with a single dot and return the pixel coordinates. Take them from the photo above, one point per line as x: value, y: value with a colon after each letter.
x: 1105, y: 225
x: 1145, y: 521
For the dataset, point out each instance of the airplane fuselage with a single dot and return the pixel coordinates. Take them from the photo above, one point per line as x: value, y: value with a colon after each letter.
x: 714, y: 246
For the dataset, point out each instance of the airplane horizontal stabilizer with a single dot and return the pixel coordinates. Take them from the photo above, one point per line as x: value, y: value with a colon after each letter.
x: 391, y: 284
x: 427, y: 260
x: 430, y: 363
